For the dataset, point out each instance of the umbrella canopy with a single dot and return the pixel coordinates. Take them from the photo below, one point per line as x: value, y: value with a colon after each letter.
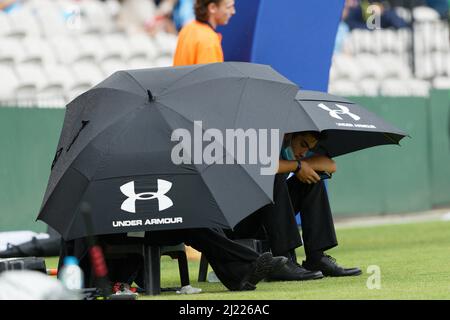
x: 115, y: 149
x: 348, y: 126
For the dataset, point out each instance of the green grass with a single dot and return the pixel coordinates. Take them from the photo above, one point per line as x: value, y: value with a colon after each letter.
x: 414, y: 260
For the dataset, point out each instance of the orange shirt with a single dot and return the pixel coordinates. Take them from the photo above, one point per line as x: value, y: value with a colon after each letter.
x: 198, y: 43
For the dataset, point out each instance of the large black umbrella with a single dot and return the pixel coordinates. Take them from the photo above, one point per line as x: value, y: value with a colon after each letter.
x: 348, y: 126
x: 115, y: 149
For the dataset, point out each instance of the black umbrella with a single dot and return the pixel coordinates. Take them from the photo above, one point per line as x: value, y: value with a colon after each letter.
x: 348, y: 126
x: 115, y: 149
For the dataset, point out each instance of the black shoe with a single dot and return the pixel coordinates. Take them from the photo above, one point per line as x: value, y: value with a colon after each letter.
x: 330, y: 268
x: 261, y: 268
x: 293, y: 272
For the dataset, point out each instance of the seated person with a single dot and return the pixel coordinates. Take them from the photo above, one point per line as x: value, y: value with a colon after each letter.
x: 304, y: 192
x: 238, y: 267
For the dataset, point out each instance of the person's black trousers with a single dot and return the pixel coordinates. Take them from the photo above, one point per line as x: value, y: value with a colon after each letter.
x: 278, y: 221
x: 311, y: 200
x: 230, y: 260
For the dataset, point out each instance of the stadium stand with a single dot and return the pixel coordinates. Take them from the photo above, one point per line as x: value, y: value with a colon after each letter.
x: 394, y: 62
x: 53, y: 50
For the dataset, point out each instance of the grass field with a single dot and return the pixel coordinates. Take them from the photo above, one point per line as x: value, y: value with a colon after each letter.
x: 414, y: 261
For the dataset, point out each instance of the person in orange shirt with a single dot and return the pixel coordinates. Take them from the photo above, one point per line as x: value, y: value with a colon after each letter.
x: 198, y: 42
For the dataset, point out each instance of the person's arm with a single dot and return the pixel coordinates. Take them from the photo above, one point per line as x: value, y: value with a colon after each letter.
x: 286, y: 166
x: 309, y: 167
x: 321, y: 163
x: 306, y: 174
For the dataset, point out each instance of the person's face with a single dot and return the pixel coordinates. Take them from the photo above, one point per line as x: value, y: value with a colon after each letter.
x: 301, y: 144
x: 222, y: 12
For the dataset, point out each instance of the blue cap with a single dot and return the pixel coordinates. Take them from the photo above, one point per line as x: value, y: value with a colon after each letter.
x: 70, y: 260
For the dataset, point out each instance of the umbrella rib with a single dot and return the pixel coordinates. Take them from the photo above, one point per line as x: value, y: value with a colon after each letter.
x: 187, y: 74
x: 240, y: 101
x: 236, y: 69
x: 165, y: 91
x: 287, y: 81
x: 196, y: 69
x: 137, y: 82
x: 198, y: 83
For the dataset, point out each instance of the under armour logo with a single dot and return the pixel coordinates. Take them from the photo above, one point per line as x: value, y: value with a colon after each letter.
x: 164, y: 201
x: 343, y: 110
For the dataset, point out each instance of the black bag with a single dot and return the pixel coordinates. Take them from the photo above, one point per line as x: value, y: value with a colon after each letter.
x: 28, y: 263
x: 34, y: 248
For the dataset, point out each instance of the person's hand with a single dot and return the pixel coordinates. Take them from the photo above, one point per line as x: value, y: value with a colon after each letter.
x: 307, y: 174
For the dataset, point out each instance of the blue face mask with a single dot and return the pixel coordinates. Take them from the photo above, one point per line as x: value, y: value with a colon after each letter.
x: 287, y: 153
